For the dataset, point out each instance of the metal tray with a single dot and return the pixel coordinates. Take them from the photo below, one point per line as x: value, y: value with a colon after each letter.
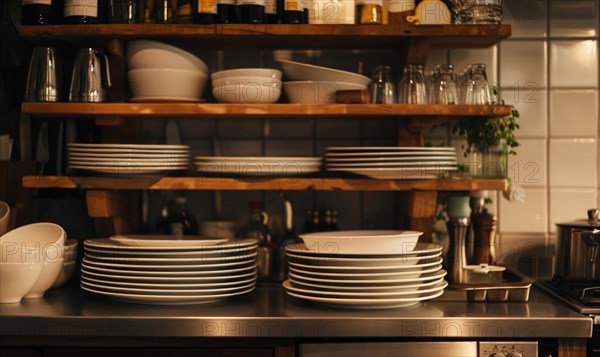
x: 513, y: 288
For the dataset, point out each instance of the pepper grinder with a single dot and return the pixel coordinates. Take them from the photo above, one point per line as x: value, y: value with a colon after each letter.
x: 484, y: 238
x: 458, y: 227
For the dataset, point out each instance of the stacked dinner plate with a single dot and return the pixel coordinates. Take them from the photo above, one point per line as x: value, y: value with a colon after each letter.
x: 128, y: 159
x: 267, y: 167
x: 162, y: 271
x: 365, y: 281
x: 393, y: 163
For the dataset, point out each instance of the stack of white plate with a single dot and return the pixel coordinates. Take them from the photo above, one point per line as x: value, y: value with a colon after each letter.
x: 128, y: 159
x: 365, y: 281
x: 162, y: 271
x: 258, y: 166
x: 394, y: 163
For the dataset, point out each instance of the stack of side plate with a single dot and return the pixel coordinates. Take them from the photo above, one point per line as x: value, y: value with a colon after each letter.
x: 362, y: 281
x: 395, y: 163
x: 258, y: 166
x: 161, y: 271
x: 128, y: 159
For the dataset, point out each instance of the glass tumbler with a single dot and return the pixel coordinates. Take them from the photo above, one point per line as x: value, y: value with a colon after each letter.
x: 44, y: 76
x: 412, y: 88
x: 476, y: 89
x: 382, y: 87
x: 444, y: 87
x: 481, y: 12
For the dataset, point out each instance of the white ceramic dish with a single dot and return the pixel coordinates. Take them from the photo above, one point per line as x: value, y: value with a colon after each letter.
x: 66, y: 273
x: 153, y: 54
x: 17, y: 279
x: 107, y: 243
x: 48, y: 237
x: 154, y: 254
x: 128, y: 170
x: 397, y: 287
x: 165, y: 291
x: 130, y: 163
x: 232, y: 280
x: 165, y: 240
x: 351, y: 263
x: 246, y: 90
x: 50, y: 272
x: 297, y: 71
x: 362, y: 241
x: 367, y: 159
x: 316, y: 92
x: 408, y: 274
x: 170, y: 261
x: 276, y: 159
x: 174, y: 268
x: 372, y: 283
x: 130, y: 156
x: 135, y: 160
x: 390, y: 148
x: 165, y: 98
x: 4, y: 217
x: 126, y: 147
x: 418, y: 164
x: 217, y: 273
x: 335, y: 264
x: 268, y: 73
x: 366, y: 303
x: 166, y: 299
x: 127, y: 152
x: 160, y: 82
x: 410, y: 293
x: 384, y: 155
x: 333, y: 255
x: 258, y: 169
x: 357, y: 269
x: 398, y: 173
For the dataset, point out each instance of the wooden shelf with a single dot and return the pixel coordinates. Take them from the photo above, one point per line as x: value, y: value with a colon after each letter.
x: 291, y: 184
x: 272, y: 111
x: 277, y: 36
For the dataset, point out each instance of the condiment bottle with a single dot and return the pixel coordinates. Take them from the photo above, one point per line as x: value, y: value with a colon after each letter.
x: 369, y: 12
x: 251, y: 11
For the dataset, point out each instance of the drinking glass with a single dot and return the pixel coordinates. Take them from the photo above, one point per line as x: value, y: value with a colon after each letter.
x: 412, y: 86
x: 481, y: 12
x: 476, y: 89
x: 91, y: 76
x: 444, y: 87
x: 44, y: 76
x: 382, y: 87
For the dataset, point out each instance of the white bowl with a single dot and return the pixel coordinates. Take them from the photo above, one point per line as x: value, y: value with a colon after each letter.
x: 65, y: 274
x: 247, y: 72
x: 4, y: 217
x: 362, y: 242
x: 307, y: 72
x: 176, y: 84
x: 48, y: 238
x: 152, y: 54
x: 246, y: 90
x: 50, y: 272
x: 16, y: 279
x: 315, y: 92
x: 218, y: 229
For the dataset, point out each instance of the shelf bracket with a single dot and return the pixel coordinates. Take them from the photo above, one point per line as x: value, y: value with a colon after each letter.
x: 114, y: 212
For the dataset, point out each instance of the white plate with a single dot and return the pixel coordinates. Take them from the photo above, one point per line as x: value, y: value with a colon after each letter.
x: 165, y: 262
x: 390, y: 148
x: 152, y: 254
x: 258, y: 159
x: 143, y: 241
x: 409, y: 274
x: 398, y: 173
x: 407, y: 279
x: 258, y: 169
x: 397, y: 287
x: 124, y: 170
x: 190, y: 268
x: 385, y: 155
x: 130, y: 156
x: 93, y: 278
x: 209, y: 291
x: 414, y: 165
x: 219, y: 272
x: 366, y: 303
x: 170, y: 245
x: 130, y: 164
x: 166, y: 99
x: 336, y: 269
x: 397, y: 157
x: 362, y: 241
x: 129, y: 146
x: 99, y: 151
x: 164, y: 159
x: 166, y: 299
x: 335, y: 264
x: 297, y: 71
x: 414, y: 293
x: 330, y: 252
x: 208, y: 281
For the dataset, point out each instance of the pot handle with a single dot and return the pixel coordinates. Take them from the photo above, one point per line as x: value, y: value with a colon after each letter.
x: 592, y: 239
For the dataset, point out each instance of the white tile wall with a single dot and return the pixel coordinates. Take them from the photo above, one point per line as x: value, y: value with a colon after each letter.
x: 529, y: 217
x: 532, y: 104
x: 573, y: 163
x: 523, y: 64
x: 573, y: 18
x: 574, y: 64
x: 488, y: 56
x: 515, y: 248
x: 574, y: 113
x: 529, y: 166
x: 570, y: 204
x: 528, y: 18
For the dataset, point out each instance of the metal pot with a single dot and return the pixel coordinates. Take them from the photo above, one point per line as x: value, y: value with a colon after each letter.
x: 578, y: 248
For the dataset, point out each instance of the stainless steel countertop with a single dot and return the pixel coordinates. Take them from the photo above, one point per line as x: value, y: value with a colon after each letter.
x: 268, y: 312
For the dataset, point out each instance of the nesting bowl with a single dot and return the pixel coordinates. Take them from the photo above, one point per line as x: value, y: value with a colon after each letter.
x: 4, y: 217
x: 248, y: 72
x: 153, y: 54
x: 167, y: 84
x: 243, y: 89
x: 17, y: 279
x: 370, y: 242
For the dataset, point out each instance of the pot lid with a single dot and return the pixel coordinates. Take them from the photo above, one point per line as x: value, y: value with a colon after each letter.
x: 593, y: 221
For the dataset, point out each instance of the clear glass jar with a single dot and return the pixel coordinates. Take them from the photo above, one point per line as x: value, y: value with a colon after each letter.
x: 444, y: 87
x: 382, y: 87
x: 412, y: 88
x: 476, y: 89
x: 481, y: 12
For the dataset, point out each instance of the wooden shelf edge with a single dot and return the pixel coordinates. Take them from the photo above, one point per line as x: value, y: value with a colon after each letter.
x: 292, y: 184
x: 215, y: 110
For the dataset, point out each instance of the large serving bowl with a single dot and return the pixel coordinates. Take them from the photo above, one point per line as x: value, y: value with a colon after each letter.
x: 362, y: 242
x: 167, y: 84
x: 153, y: 54
x: 307, y: 72
x: 246, y: 90
x: 16, y: 279
x: 315, y: 92
x: 4, y: 217
x: 65, y: 274
x: 50, y: 271
x: 248, y: 72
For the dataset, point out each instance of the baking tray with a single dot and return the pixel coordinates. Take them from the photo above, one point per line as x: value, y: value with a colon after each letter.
x: 513, y: 288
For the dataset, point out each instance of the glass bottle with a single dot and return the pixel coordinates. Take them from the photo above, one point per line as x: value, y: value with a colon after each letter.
x: 251, y: 11
x: 293, y: 12
x: 84, y: 11
x: 226, y: 12
x: 205, y: 11
x: 39, y: 12
x: 181, y: 222
x: 165, y: 11
x: 382, y: 87
x: 257, y: 225
x: 271, y: 12
x: 369, y: 12
x: 146, y: 11
x: 186, y: 9
x: 444, y: 88
x: 412, y: 88
x: 123, y: 11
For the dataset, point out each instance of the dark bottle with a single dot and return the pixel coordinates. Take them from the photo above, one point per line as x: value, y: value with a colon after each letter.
x: 39, y: 12
x: 306, y: 14
x: 251, y: 11
x: 293, y: 12
x: 84, y: 11
x: 180, y: 221
x: 165, y: 11
x: 226, y: 12
x: 271, y: 13
x: 205, y: 12
x: 185, y: 11
x: 123, y: 11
